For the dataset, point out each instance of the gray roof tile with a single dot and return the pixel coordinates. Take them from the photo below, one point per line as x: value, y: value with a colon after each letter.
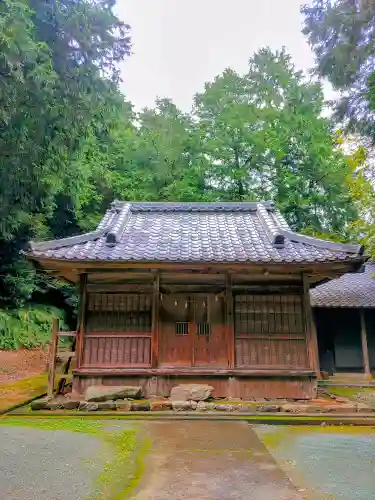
x: 350, y: 290
x: 194, y: 232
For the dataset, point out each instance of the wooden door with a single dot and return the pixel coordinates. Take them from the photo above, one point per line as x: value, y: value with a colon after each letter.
x: 192, y: 331
x: 175, y: 338
x: 210, y: 347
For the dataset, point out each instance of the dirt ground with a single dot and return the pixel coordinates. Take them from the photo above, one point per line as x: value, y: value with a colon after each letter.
x: 24, y: 363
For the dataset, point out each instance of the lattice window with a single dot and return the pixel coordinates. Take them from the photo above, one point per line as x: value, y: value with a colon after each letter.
x: 119, y: 312
x: 204, y: 329
x: 268, y: 314
x: 182, y: 328
x: 269, y: 331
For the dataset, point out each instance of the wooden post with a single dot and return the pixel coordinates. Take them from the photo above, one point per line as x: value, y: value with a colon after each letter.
x: 311, y: 333
x: 155, y: 321
x: 81, y: 318
x: 52, y: 362
x: 229, y: 320
x: 366, y: 359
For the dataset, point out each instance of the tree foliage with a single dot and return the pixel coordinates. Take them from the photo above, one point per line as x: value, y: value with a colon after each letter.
x: 71, y: 143
x: 341, y: 32
x: 57, y: 82
x: 266, y: 139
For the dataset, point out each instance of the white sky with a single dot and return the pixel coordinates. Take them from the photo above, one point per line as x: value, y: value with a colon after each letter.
x: 178, y: 45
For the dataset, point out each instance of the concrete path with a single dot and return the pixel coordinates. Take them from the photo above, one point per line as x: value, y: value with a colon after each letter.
x: 210, y: 461
x: 47, y: 465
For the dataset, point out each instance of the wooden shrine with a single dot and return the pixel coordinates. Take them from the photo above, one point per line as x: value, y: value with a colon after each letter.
x: 212, y: 293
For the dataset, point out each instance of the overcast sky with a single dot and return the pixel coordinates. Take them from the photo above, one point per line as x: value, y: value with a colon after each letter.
x: 178, y: 45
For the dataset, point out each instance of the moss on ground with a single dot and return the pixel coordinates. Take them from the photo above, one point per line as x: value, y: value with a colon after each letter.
x: 18, y: 392
x: 349, y: 392
x: 124, y: 451
x: 274, y: 436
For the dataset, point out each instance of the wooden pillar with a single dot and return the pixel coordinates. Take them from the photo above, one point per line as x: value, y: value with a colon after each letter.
x: 81, y: 322
x: 52, y: 362
x: 311, y: 333
x: 155, y: 321
x: 366, y: 359
x: 229, y: 320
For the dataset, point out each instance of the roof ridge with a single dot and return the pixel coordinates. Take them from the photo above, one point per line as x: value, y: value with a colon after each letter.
x: 160, y: 206
x: 272, y: 230
x: 329, y: 245
x: 115, y: 233
x: 71, y: 240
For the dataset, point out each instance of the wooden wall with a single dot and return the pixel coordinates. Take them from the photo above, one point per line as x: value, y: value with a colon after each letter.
x: 246, y: 388
x: 118, y: 330
x: 270, y: 331
x: 266, y: 327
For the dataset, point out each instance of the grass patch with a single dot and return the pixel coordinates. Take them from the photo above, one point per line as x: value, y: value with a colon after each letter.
x: 349, y: 392
x: 22, y: 390
x: 124, y: 469
x: 124, y: 451
x: 275, y: 436
x: 72, y: 424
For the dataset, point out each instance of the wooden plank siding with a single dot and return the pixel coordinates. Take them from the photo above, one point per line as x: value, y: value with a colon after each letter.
x: 214, y: 330
x: 118, y: 330
x: 269, y: 331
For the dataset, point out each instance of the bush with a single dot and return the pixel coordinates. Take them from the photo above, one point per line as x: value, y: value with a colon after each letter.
x: 28, y: 327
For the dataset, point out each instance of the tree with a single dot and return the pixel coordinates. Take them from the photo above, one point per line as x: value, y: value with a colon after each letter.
x: 58, y: 81
x: 341, y: 32
x: 266, y: 139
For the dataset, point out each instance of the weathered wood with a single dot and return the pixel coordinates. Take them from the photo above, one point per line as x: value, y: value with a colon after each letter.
x: 311, y: 333
x: 155, y: 321
x: 298, y: 387
x: 119, y: 287
x: 229, y: 320
x: 81, y: 321
x: 66, y: 334
x: 293, y: 268
x: 53, y: 355
x: 366, y: 359
x: 264, y: 372
x: 117, y: 334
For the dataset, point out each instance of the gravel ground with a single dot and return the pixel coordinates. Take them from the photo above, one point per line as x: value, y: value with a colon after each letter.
x: 47, y: 465
x: 16, y: 365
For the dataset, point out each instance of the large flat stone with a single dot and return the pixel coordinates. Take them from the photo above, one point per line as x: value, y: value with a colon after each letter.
x: 107, y: 393
x: 40, y: 404
x: 191, y: 392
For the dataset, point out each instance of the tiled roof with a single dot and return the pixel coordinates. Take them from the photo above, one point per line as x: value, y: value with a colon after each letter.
x: 194, y: 232
x: 350, y: 290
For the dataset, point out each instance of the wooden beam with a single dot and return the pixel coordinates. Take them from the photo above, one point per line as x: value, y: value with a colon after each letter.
x: 311, y: 333
x: 81, y: 323
x: 251, y: 372
x: 155, y: 321
x: 366, y: 359
x: 229, y: 320
x: 52, y: 362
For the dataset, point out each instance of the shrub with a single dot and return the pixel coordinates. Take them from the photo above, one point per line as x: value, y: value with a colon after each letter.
x: 28, y: 327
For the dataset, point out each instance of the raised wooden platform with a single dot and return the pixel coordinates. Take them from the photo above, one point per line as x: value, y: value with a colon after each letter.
x: 245, y: 384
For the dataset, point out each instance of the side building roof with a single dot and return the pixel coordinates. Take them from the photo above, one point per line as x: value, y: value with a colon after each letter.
x: 194, y: 233
x: 350, y: 290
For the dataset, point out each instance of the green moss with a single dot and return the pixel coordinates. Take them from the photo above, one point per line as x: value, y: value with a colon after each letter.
x: 349, y: 392
x: 72, y: 424
x: 125, y: 450
x: 274, y: 436
x: 124, y: 469
x: 20, y: 391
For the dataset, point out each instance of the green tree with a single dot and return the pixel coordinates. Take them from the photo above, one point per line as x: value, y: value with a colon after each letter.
x: 266, y: 139
x: 57, y: 80
x: 341, y: 33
